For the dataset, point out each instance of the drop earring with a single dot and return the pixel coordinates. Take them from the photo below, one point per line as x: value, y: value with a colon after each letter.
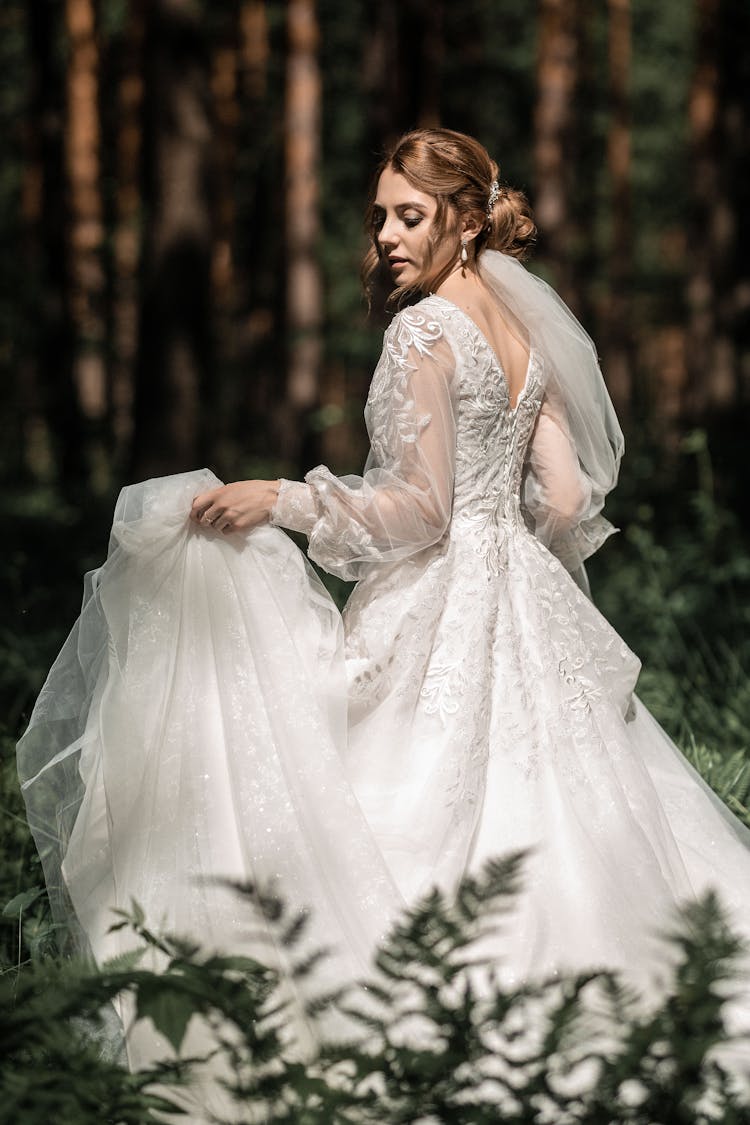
x: 464, y: 252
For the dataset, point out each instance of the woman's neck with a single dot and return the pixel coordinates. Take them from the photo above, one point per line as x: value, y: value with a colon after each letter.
x: 462, y: 284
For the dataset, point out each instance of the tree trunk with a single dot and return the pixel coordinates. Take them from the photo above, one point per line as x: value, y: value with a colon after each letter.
x: 557, y: 69
x: 403, y: 58
x: 735, y: 311
x: 584, y: 155
x: 127, y: 227
x: 86, y: 228
x: 175, y: 331
x: 424, y: 67
x: 252, y: 400
x: 712, y: 362
x: 254, y: 48
x: 225, y: 73
x: 618, y: 341
x: 304, y: 297
x: 387, y: 95
x: 54, y: 437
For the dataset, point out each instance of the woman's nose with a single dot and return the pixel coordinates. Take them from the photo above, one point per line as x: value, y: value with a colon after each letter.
x: 386, y: 234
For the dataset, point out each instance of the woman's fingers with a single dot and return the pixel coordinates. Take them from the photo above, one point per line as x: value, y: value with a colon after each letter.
x: 240, y: 506
x: 209, y: 510
x: 199, y: 505
x: 203, y: 507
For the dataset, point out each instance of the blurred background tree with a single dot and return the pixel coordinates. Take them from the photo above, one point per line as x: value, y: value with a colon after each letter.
x: 182, y: 187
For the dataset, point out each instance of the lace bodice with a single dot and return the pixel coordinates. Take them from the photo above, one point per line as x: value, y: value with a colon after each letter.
x: 492, y: 437
x: 446, y: 446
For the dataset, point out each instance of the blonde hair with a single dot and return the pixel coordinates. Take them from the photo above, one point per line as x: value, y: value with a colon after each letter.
x: 458, y: 172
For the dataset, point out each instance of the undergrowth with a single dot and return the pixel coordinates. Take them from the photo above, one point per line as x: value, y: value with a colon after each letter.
x: 432, y: 1037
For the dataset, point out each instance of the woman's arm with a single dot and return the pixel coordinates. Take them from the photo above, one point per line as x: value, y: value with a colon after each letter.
x: 402, y: 502
x: 560, y: 498
x: 556, y: 490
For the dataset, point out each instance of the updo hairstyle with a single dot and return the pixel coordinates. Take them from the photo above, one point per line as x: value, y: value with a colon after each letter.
x: 458, y: 171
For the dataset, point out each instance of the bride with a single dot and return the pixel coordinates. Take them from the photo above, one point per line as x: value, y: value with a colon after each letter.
x: 207, y: 717
x: 490, y: 704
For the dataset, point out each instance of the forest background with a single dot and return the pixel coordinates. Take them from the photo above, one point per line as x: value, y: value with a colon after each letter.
x: 182, y: 188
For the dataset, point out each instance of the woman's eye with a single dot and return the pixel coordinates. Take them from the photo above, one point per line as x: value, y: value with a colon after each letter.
x: 412, y: 220
x: 377, y: 222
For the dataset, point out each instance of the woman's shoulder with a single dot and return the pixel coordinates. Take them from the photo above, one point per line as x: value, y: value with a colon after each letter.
x: 422, y: 325
x: 430, y: 307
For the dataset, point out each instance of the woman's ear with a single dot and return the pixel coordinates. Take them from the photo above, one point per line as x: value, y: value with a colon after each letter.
x: 471, y: 225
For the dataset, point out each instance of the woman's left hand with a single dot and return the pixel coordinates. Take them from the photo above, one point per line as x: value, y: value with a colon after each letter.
x: 236, y: 507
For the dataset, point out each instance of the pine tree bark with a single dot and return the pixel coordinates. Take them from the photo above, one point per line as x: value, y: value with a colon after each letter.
x: 382, y: 76
x: 175, y: 331
x: 304, y: 296
x: 554, y: 123
x: 403, y: 57
x: 424, y: 27
x: 257, y: 402
x: 53, y: 426
x: 716, y: 108
x: 585, y: 158
x: 127, y: 227
x: 618, y: 340
x: 735, y: 309
x: 225, y: 77
x: 254, y: 49
x: 86, y: 229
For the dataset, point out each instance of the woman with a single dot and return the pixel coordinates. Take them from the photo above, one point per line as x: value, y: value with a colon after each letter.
x: 490, y: 706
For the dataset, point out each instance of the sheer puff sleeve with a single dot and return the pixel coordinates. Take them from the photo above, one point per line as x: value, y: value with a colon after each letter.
x: 559, y: 497
x: 576, y: 449
x: 402, y: 503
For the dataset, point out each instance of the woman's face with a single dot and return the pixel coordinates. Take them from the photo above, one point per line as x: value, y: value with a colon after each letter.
x: 404, y: 218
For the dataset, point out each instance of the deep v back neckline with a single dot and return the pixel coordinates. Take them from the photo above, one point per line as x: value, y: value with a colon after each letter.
x: 512, y: 407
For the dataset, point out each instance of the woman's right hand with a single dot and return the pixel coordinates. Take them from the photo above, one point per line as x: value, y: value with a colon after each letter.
x: 236, y: 507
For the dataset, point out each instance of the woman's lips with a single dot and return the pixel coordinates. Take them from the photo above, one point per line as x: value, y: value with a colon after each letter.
x: 396, y: 263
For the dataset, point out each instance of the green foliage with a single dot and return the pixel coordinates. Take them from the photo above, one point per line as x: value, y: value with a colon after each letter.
x: 26, y: 928
x: 434, y: 1036
x: 49, y: 543
x: 676, y: 586
x: 55, y: 1028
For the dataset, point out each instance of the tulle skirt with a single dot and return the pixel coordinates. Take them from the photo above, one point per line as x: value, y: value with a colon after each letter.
x: 189, y: 733
x: 492, y: 708
x: 206, y: 720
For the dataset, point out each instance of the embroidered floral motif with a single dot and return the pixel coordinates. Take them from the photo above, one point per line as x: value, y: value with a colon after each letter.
x: 584, y: 691
x: 443, y: 687
x: 483, y: 649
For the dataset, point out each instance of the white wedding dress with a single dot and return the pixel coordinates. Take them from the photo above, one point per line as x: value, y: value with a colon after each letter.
x: 194, y: 726
x: 491, y: 705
